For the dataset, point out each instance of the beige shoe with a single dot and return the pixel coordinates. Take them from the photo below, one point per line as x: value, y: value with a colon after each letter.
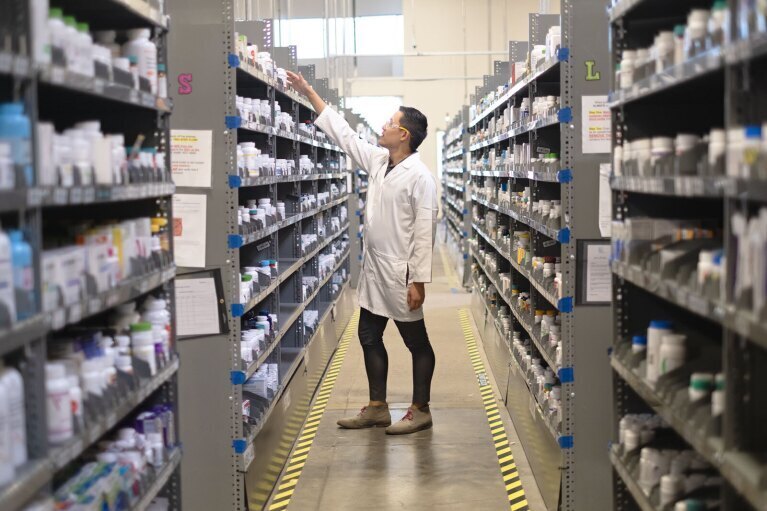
x: 369, y: 417
x: 414, y: 420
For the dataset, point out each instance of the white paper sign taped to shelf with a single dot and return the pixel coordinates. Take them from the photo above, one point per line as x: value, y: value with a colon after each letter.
x: 191, y: 157
x: 596, y: 124
x: 189, y: 226
x: 196, y: 307
x: 605, y: 201
x: 598, y: 276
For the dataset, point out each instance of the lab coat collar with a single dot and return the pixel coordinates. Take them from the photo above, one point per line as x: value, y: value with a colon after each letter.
x: 410, y: 161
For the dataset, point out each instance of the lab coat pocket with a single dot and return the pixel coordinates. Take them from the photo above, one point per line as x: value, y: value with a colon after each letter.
x: 387, y: 270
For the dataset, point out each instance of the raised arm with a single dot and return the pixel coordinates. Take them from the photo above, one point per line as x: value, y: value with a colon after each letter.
x: 336, y: 127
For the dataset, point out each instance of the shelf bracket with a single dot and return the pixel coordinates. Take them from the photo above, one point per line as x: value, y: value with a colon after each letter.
x: 233, y: 121
x: 565, y: 304
x: 565, y: 176
x: 238, y: 310
x: 563, y: 54
x: 563, y: 236
x: 566, y: 442
x: 237, y: 377
x: 239, y: 445
x: 567, y: 375
x: 565, y: 114
x: 234, y: 241
x: 233, y: 60
x: 235, y: 182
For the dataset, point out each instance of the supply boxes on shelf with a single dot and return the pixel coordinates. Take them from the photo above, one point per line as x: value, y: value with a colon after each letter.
x: 87, y: 319
x: 538, y: 134
x: 277, y: 233
x: 688, y: 264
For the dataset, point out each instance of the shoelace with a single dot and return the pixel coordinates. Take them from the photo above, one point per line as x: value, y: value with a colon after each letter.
x: 408, y: 416
x: 362, y: 412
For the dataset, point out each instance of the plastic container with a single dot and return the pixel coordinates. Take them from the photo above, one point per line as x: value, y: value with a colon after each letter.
x: 639, y: 344
x: 671, y: 488
x: 144, y: 51
x: 679, y: 40
x: 7, y: 465
x: 672, y: 352
x: 627, y: 68
x: 142, y: 341
x: 655, y: 333
x: 700, y: 386
x: 85, y: 50
x: 717, y: 396
x: 16, y: 130
x: 719, y: 24
x: 162, y: 81
x: 58, y: 403
x: 696, y: 32
x: 75, y: 397
x: 23, y: 275
x: 7, y: 286
x: 12, y: 385
x: 752, y: 145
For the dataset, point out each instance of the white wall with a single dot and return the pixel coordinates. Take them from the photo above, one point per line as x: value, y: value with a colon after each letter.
x: 449, y: 25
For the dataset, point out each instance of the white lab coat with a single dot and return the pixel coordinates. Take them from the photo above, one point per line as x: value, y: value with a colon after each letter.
x: 400, y: 222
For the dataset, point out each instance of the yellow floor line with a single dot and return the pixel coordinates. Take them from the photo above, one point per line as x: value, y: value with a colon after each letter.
x: 514, y: 490
x: 295, y: 464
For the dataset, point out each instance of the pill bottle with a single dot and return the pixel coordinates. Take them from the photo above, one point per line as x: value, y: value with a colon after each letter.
x: 142, y: 342
x: 655, y: 333
x: 672, y: 352
x: 639, y: 344
x: 7, y: 465
x: 58, y: 403
x: 701, y: 385
x: 23, y: 275
x: 145, y: 53
x: 12, y: 384
x: 717, y: 396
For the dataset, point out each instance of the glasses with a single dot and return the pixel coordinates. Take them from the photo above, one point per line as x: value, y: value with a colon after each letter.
x: 390, y: 124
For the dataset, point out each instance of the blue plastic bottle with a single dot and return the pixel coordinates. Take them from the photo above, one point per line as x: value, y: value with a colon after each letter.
x: 23, y: 275
x: 16, y: 129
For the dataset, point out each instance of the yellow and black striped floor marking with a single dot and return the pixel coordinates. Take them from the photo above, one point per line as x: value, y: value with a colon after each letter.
x: 511, y: 480
x: 295, y: 466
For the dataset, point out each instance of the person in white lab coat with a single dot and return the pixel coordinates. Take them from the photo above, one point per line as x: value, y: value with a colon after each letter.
x: 400, y: 228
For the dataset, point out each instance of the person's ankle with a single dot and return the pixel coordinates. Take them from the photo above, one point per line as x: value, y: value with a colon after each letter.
x: 377, y: 404
x: 421, y: 407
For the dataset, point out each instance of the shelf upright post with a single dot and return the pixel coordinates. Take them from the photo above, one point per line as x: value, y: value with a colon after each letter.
x: 586, y: 331
x: 466, y: 180
x: 210, y: 403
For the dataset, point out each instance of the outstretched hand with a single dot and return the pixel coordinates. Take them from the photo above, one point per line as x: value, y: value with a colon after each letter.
x: 299, y: 83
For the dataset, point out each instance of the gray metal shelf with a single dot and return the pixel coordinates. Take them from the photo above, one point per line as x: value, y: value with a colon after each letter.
x: 63, y: 455
x: 161, y: 479
x: 549, y: 67
x: 545, y: 122
x: 555, y: 435
x: 539, y: 286
x: 642, y: 500
x: 555, y: 234
x: 525, y: 322
x: 98, y: 88
x: 675, y: 76
x: 271, y: 180
x: 525, y: 172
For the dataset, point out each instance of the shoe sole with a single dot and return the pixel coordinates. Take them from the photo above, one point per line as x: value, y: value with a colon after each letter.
x: 381, y: 425
x: 416, y: 430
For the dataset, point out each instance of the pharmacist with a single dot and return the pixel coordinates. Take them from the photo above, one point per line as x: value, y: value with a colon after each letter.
x: 400, y: 227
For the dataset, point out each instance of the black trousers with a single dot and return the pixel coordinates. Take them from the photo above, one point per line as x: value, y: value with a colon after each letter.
x: 371, y: 329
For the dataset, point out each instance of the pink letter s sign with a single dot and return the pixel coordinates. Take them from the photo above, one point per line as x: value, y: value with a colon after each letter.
x: 185, y: 84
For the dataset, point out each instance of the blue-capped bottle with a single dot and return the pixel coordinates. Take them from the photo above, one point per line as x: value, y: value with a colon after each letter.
x: 16, y: 130
x: 23, y: 275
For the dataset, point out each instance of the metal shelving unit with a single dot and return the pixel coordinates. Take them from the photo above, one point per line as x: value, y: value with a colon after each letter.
x: 455, y: 193
x: 560, y: 451
x: 719, y: 88
x: 233, y: 459
x: 52, y: 94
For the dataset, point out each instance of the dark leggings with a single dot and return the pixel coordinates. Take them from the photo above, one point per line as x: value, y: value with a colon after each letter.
x: 371, y: 329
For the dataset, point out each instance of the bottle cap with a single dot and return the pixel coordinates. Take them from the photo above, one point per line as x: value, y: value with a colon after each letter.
x: 639, y: 340
x: 84, y: 28
x: 70, y: 21
x: 754, y: 131
x: 141, y: 327
x: 56, y: 13
x: 661, y: 324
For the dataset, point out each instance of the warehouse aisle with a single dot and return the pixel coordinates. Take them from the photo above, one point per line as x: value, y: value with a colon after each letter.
x: 454, y: 466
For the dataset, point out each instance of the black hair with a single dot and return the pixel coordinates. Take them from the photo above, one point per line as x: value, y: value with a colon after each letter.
x: 415, y: 122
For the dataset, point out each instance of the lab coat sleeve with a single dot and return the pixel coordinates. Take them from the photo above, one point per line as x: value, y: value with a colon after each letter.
x: 424, y: 203
x: 339, y: 131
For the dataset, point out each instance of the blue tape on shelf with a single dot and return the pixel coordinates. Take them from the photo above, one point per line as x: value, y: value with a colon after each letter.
x: 464, y: 234
x: 234, y: 241
x: 563, y: 236
x: 359, y: 257
x: 235, y: 181
x: 465, y: 256
x: 238, y: 310
x: 233, y: 122
x: 234, y: 60
x: 239, y: 445
x: 465, y: 212
x: 565, y: 304
x: 237, y: 377
x: 565, y: 114
x: 359, y: 235
x: 565, y: 176
x: 567, y: 375
x: 563, y: 54
x: 566, y: 442
x: 358, y: 212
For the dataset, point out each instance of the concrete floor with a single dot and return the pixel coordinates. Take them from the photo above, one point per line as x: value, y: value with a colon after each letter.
x: 451, y: 467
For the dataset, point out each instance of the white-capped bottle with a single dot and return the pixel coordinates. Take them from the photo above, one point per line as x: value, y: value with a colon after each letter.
x: 145, y: 52
x: 7, y: 293
x: 7, y: 467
